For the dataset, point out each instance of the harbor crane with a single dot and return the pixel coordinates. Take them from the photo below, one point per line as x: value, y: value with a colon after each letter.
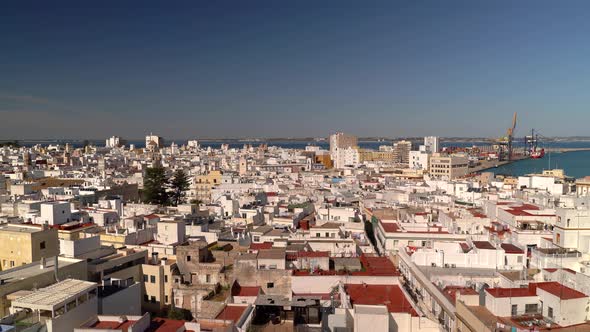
x: 510, y: 136
x: 505, y: 143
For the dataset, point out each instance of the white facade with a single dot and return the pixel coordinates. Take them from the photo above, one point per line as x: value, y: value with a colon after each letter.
x: 432, y: 144
x: 419, y: 160
x: 345, y: 157
x: 55, y: 213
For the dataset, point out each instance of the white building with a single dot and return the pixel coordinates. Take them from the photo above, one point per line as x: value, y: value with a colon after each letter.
x: 342, y: 141
x: 346, y: 157
x: 431, y: 143
x: 419, y: 159
x: 154, y: 140
x: 113, y: 142
x: 55, y: 213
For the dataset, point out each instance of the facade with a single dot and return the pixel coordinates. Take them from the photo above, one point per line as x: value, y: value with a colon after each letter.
x: 342, y: 141
x: 204, y: 183
x: 401, y: 153
x: 55, y: 213
x: 25, y: 244
x: 349, y: 156
x: 153, y: 142
x: 432, y: 144
x: 158, y: 279
x: 448, y: 166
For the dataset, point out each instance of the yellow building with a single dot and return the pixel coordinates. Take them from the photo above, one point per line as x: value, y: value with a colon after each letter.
x: 157, y: 282
x: 24, y: 244
x: 372, y: 155
x: 203, y: 185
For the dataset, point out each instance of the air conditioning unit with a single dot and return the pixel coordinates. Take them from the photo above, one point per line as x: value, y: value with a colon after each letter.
x: 433, y: 264
x: 453, y: 265
x: 447, y: 265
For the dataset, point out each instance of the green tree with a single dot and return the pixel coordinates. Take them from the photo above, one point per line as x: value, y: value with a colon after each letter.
x: 155, y: 185
x: 179, y: 314
x: 179, y: 184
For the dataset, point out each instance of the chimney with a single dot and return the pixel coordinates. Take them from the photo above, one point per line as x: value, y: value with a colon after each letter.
x: 154, y: 258
x: 163, y: 261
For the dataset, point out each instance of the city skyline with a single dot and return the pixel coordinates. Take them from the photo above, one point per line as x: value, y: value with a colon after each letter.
x: 260, y: 70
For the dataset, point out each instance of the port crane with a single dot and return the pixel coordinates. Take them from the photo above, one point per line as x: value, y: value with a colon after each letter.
x: 510, y: 134
x: 505, y: 144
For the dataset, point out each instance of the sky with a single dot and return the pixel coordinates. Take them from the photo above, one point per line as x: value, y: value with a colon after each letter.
x: 227, y: 69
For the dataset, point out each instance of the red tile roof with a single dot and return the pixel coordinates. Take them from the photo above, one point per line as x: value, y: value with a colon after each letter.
x: 510, y: 248
x: 551, y: 287
x: 165, y: 325
x: 389, y: 295
x: 238, y: 290
x: 483, y: 245
x: 511, y: 292
x: 231, y: 312
x: 313, y: 254
x: 259, y: 246
x: 390, y: 227
x: 561, y: 291
x: 378, y: 266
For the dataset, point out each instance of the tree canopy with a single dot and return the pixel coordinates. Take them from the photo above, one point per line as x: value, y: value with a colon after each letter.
x: 179, y: 185
x: 155, y: 186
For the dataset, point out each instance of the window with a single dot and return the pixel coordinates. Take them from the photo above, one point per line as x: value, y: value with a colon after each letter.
x: 327, y: 234
x: 549, y: 312
x: 208, y: 278
x: 318, y: 235
x: 165, y: 278
x: 166, y: 298
x: 145, y: 278
x: 531, y: 308
x: 188, y: 258
x: 514, y: 310
x: 519, y: 259
x: 42, y: 245
x: 270, y: 285
x: 153, y: 279
x: 153, y: 299
x: 11, y: 263
x: 272, y: 267
x: 146, y: 298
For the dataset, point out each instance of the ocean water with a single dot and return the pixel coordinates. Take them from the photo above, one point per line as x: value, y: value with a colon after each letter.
x: 575, y: 164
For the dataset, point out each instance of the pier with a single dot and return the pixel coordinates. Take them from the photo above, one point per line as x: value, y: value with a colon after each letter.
x: 562, y: 150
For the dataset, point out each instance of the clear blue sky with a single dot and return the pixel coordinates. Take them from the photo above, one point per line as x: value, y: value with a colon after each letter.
x: 292, y: 68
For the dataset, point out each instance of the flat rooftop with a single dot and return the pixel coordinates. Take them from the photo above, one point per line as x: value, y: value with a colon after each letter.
x: 33, y: 269
x: 15, y: 228
x: 55, y: 295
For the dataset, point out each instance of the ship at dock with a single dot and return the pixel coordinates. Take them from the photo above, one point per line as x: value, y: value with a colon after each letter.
x: 532, y: 143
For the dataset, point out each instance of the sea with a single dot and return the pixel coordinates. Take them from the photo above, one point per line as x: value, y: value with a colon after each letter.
x: 576, y: 164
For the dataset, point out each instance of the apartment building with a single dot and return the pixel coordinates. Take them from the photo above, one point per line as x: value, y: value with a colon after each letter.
x: 24, y: 244
x: 157, y: 282
x: 448, y: 166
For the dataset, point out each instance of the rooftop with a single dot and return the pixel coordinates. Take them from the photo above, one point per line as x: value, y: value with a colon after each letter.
x: 54, y: 295
x: 271, y: 254
x: 232, y: 312
x: 389, y: 295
